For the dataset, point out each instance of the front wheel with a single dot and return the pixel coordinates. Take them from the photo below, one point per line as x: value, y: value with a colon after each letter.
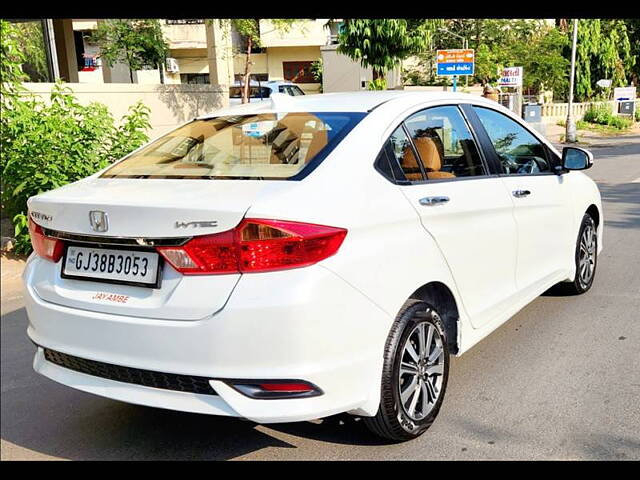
x: 415, y: 373
x: 586, y: 258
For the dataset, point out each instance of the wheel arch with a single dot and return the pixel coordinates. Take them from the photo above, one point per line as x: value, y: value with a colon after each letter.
x: 442, y: 296
x: 595, y: 214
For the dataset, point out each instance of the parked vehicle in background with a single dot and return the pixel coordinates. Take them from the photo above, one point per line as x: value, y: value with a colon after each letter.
x: 261, y: 91
x: 293, y: 259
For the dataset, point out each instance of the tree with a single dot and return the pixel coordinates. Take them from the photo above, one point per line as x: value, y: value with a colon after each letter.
x: 249, y: 29
x: 633, y: 31
x: 137, y: 42
x: 603, y: 52
x: 383, y: 43
x: 11, y: 59
x: 31, y: 43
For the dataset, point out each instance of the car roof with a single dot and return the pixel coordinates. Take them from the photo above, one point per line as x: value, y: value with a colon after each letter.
x: 269, y: 83
x: 360, y: 101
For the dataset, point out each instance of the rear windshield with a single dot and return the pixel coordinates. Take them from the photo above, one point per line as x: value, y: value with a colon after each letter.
x: 268, y: 146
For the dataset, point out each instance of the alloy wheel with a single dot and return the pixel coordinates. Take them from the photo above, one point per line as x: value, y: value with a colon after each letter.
x: 421, y: 370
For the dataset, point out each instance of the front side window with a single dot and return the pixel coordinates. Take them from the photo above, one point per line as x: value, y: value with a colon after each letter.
x: 445, y: 143
x: 263, y: 146
x: 519, y: 151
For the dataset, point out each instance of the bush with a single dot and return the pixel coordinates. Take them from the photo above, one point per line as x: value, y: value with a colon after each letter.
x: 47, y: 146
x: 602, y: 115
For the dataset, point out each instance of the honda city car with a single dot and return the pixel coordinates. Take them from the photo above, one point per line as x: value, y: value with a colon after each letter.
x: 306, y: 256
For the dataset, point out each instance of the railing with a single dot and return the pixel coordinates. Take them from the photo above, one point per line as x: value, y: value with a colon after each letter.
x: 561, y: 110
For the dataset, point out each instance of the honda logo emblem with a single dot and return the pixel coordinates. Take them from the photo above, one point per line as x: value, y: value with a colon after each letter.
x: 99, y: 221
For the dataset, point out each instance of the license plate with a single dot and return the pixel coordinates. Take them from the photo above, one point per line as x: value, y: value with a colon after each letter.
x: 112, y: 266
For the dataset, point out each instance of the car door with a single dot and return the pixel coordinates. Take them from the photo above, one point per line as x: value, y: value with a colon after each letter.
x: 542, y: 211
x: 461, y: 205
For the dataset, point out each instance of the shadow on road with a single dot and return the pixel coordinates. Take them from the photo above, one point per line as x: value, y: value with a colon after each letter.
x: 626, y: 200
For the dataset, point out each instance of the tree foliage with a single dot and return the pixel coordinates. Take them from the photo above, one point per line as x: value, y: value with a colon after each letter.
x: 498, y: 43
x: 384, y: 42
x: 138, y: 43
x: 249, y: 30
x: 31, y: 43
x: 11, y: 59
x: 44, y: 145
x: 603, y: 52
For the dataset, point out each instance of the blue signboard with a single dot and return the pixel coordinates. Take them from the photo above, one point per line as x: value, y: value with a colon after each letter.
x: 455, y: 68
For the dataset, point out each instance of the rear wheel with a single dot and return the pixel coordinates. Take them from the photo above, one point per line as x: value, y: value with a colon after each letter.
x: 415, y: 373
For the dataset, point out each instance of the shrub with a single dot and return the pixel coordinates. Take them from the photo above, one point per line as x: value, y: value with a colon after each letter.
x: 45, y: 146
x: 602, y: 115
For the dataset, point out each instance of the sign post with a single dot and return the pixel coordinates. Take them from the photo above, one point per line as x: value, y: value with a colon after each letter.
x: 455, y: 63
x: 512, y: 77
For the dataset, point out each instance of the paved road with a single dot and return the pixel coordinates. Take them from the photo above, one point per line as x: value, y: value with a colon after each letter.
x: 560, y: 380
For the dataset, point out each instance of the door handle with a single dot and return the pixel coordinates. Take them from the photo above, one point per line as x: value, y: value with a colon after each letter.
x: 431, y: 201
x: 521, y: 193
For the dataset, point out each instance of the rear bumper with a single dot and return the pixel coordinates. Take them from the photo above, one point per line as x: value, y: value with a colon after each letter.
x: 305, y: 324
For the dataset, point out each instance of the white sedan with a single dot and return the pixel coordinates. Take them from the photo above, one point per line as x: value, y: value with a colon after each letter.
x: 297, y: 258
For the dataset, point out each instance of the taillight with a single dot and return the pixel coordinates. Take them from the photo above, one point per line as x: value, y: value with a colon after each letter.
x: 45, y: 247
x: 256, y: 245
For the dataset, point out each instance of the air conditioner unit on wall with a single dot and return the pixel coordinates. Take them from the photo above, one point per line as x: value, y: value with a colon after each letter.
x: 172, y: 65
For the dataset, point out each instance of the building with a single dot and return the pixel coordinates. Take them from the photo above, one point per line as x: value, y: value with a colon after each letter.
x: 282, y: 55
x: 197, y: 48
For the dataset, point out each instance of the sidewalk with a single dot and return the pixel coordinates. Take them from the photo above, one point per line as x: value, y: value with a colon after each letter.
x: 587, y: 138
x: 11, y: 268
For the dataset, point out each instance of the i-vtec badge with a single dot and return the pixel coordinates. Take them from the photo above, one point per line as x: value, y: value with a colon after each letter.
x: 198, y: 224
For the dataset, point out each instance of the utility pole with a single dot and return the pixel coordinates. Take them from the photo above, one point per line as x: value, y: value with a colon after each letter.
x: 570, y: 135
x: 50, y: 49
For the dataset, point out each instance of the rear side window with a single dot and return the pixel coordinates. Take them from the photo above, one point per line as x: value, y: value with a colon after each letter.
x: 444, y: 143
x: 272, y: 146
x: 399, y: 146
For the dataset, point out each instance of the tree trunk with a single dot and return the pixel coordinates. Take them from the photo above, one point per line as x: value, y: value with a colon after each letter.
x: 131, y: 74
x: 161, y: 70
x: 247, y: 72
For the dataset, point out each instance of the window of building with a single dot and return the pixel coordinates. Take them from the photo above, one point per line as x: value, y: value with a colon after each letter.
x: 298, y: 72
x: 193, y: 78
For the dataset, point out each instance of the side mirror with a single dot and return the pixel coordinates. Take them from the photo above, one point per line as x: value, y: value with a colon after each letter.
x: 574, y: 158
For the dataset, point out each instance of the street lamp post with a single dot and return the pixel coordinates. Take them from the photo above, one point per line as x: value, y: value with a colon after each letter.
x: 570, y: 135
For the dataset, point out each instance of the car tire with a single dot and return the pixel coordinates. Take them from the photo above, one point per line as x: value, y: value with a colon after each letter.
x: 586, y: 256
x: 417, y: 331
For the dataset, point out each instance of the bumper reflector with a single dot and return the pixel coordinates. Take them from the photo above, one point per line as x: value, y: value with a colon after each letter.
x: 275, y: 389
